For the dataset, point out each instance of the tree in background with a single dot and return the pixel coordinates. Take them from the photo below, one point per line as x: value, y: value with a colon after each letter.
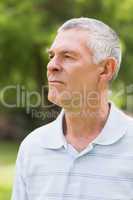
x: 27, y: 29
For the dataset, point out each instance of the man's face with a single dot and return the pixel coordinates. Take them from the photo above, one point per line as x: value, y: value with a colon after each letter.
x: 72, y: 76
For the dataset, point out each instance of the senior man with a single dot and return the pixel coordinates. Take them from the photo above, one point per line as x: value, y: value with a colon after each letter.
x: 87, y: 152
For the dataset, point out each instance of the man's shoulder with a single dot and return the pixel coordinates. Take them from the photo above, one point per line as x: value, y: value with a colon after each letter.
x: 38, y: 136
x: 123, y: 122
x: 129, y: 123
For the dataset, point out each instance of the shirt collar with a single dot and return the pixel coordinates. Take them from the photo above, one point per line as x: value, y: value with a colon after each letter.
x: 53, y: 137
x: 113, y: 130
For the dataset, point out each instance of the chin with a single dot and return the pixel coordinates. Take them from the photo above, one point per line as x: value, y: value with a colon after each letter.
x: 59, y: 101
x: 53, y: 99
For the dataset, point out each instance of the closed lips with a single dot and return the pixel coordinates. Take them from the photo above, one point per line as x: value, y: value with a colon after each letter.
x: 55, y: 81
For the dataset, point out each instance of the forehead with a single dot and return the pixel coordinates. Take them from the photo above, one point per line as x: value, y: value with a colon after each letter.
x: 72, y: 39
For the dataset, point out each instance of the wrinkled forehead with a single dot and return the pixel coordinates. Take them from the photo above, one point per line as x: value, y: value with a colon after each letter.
x: 71, y: 39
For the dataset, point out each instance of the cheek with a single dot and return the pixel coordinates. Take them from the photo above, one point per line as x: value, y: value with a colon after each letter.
x: 90, y: 76
x: 74, y: 84
x: 75, y: 78
x: 81, y: 75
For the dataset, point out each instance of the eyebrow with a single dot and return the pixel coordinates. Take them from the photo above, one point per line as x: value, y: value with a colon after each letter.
x: 50, y: 51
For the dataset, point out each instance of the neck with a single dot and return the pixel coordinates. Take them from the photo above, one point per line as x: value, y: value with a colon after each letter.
x: 85, y: 125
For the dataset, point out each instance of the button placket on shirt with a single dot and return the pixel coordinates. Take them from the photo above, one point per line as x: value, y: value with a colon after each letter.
x: 75, y: 157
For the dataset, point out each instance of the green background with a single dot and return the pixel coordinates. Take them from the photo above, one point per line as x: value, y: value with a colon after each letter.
x: 27, y: 29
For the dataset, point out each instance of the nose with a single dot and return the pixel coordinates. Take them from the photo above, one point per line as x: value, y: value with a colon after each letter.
x: 54, y: 65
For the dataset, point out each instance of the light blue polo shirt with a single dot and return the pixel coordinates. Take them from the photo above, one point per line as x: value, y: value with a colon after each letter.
x: 48, y: 168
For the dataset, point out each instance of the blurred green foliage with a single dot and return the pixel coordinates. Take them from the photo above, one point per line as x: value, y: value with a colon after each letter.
x: 8, y: 152
x: 27, y: 28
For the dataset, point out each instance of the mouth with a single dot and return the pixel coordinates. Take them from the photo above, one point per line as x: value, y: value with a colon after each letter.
x: 55, y: 82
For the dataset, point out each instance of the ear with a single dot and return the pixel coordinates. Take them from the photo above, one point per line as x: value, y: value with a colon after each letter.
x: 107, y: 69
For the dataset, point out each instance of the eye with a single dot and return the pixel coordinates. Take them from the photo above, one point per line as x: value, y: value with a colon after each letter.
x: 50, y: 56
x: 67, y: 56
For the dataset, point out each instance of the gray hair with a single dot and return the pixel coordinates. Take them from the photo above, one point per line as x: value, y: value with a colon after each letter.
x: 104, y: 42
